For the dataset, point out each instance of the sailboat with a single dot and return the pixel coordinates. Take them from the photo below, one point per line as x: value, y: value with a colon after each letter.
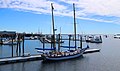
x: 55, y: 55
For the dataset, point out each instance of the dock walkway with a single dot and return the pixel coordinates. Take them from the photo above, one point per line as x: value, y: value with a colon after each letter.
x: 20, y: 59
x: 33, y: 57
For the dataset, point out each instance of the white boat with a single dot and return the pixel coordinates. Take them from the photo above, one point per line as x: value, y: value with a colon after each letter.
x: 91, y: 51
x: 117, y: 36
x: 94, y: 39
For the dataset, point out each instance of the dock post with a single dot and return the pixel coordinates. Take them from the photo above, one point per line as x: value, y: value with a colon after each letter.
x: 23, y: 45
x: 19, y: 45
x: 69, y: 40
x: 81, y: 41
x: 100, y: 38
x: 61, y: 39
x: 43, y: 43
x: 58, y: 42
x: 12, y: 45
x: 1, y: 42
x: 51, y: 41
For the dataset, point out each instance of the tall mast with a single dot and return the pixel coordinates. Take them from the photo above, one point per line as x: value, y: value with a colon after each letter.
x: 53, y: 26
x: 74, y: 24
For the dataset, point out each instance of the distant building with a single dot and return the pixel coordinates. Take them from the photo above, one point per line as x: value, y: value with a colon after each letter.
x: 7, y: 33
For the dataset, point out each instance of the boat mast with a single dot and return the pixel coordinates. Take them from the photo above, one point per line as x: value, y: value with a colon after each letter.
x: 74, y: 24
x: 54, y: 46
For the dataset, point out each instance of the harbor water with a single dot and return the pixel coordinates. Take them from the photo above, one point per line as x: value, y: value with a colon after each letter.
x: 108, y: 59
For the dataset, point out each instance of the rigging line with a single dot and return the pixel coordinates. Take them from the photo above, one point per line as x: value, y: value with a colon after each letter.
x: 81, y: 29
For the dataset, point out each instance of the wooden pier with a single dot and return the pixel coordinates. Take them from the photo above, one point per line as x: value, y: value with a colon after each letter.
x: 19, y: 59
x: 33, y: 57
x: 28, y: 57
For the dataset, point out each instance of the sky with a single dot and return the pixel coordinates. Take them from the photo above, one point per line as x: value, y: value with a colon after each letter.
x: 33, y: 16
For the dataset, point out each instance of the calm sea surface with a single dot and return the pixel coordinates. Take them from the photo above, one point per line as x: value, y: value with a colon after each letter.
x: 106, y: 60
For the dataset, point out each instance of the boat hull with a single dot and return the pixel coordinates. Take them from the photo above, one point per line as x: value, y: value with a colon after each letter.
x: 65, y: 57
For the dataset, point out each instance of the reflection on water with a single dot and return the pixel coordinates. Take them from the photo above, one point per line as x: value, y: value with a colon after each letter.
x: 71, y: 65
x: 26, y: 66
x: 67, y: 65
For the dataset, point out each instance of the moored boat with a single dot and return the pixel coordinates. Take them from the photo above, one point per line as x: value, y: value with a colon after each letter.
x: 63, y: 55
x: 54, y: 55
x: 94, y: 39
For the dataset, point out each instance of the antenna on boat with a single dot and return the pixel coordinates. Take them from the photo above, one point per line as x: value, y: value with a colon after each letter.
x: 54, y: 46
x: 74, y: 24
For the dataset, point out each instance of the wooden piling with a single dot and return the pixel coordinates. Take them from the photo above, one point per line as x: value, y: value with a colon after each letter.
x: 19, y: 44
x: 58, y: 42
x: 23, y: 45
x: 1, y: 42
x: 69, y: 40
x: 43, y: 43
x: 51, y: 41
x: 81, y: 41
x: 12, y: 45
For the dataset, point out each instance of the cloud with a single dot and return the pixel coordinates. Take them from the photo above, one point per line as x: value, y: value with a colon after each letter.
x: 92, y: 8
x: 98, y: 7
x: 85, y: 9
x: 98, y: 20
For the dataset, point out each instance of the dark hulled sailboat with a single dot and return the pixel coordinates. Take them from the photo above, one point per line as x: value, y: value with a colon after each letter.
x: 54, y: 55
